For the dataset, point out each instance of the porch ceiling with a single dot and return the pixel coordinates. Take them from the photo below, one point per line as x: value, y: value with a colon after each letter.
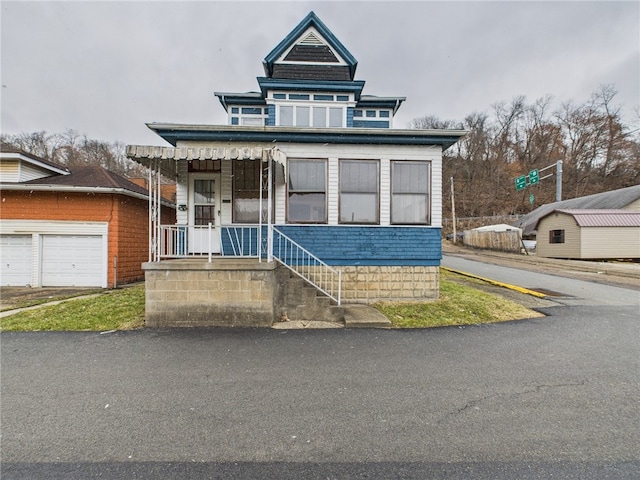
x: 165, y: 158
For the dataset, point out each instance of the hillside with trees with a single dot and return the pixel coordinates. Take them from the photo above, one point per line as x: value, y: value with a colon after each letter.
x: 598, y: 150
x: 74, y: 149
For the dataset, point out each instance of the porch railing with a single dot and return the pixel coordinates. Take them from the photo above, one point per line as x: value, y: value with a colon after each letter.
x: 188, y: 241
x: 306, y: 265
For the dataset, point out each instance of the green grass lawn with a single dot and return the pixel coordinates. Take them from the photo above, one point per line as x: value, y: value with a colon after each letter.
x: 459, y: 304
x: 123, y: 309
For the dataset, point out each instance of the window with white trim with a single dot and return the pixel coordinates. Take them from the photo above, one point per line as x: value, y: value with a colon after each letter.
x: 310, y: 115
x: 359, y: 191
x: 247, y: 190
x: 307, y: 191
x: 410, y: 186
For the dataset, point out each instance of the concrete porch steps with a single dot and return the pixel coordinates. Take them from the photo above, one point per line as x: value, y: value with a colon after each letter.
x: 304, y: 303
x: 364, y: 316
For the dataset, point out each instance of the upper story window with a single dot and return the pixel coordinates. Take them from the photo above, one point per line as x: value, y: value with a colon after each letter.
x: 307, y: 191
x: 410, y: 185
x: 311, y: 116
x: 248, y: 116
x: 359, y: 190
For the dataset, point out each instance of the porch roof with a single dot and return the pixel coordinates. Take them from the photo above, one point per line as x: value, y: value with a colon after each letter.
x: 166, y: 158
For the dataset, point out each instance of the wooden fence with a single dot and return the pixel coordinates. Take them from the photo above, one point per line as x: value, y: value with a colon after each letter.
x: 508, y: 241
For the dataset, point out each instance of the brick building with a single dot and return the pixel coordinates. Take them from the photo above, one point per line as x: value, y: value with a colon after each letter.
x: 80, y: 226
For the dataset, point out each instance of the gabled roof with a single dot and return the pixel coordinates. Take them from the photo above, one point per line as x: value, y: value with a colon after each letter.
x: 91, y: 176
x: 614, y: 199
x: 601, y: 217
x: 310, y: 43
x: 85, y: 179
x: 11, y: 153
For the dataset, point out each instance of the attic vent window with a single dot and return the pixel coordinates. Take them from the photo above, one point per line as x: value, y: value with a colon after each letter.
x: 311, y: 40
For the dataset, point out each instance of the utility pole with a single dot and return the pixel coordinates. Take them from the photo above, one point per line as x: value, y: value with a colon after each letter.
x: 453, y: 211
x: 558, y: 180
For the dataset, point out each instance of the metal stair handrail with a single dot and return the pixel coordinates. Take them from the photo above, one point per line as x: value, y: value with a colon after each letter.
x: 306, y: 265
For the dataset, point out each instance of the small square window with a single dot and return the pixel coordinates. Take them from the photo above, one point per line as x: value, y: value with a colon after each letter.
x: 556, y: 236
x: 234, y: 121
x: 235, y: 110
x: 357, y: 113
x: 371, y: 113
x: 384, y: 114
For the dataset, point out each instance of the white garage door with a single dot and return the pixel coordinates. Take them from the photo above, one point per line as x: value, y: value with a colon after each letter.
x: 72, y: 261
x: 16, y: 258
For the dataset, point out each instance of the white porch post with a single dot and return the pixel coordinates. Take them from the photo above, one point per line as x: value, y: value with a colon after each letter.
x: 259, y: 247
x: 158, y: 211
x: 269, y: 206
x: 150, y: 189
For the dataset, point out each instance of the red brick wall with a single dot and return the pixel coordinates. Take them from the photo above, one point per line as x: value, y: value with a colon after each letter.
x: 127, y: 218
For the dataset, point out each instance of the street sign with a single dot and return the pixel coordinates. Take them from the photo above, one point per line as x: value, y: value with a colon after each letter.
x: 521, y: 182
x: 534, y: 177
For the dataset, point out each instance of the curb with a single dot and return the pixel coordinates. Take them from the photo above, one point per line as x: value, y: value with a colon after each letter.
x: 499, y: 284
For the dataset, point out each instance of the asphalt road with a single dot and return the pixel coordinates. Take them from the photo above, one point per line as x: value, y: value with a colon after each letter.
x: 553, y: 397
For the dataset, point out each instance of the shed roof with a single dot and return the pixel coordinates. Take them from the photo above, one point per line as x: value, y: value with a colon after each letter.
x: 601, y: 217
x: 613, y: 199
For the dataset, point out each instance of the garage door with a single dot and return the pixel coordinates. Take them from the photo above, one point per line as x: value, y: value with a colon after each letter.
x: 16, y: 258
x: 72, y: 261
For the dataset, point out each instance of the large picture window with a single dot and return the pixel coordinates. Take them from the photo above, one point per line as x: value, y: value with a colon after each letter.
x: 246, y: 191
x: 307, y: 195
x: 359, y: 182
x: 410, y: 193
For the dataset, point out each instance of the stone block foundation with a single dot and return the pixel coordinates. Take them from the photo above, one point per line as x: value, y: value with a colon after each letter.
x: 248, y: 293
x: 223, y: 293
x: 371, y: 284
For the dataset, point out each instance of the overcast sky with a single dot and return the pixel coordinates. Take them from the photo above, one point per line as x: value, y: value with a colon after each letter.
x: 106, y: 69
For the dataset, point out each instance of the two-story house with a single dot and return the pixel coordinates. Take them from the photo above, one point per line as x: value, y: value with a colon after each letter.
x: 307, y: 174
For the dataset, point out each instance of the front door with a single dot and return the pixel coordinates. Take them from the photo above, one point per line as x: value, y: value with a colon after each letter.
x: 204, y: 208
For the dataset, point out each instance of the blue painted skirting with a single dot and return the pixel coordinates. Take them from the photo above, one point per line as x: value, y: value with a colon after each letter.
x: 369, y: 246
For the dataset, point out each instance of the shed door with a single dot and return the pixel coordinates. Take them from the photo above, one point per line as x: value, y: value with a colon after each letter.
x: 72, y: 261
x: 16, y: 258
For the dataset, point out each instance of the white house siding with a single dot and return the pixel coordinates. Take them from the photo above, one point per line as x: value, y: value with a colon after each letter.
x: 226, y: 186
x: 571, y: 246
x: 9, y: 171
x: 333, y: 153
x: 610, y: 242
x: 333, y: 190
x: 41, y: 229
x: 182, y: 193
